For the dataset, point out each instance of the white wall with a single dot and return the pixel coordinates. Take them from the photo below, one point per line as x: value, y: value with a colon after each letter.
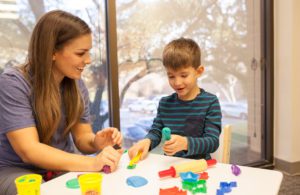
x: 287, y: 80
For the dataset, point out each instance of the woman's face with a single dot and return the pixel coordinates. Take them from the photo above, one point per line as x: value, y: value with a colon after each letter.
x: 71, y: 60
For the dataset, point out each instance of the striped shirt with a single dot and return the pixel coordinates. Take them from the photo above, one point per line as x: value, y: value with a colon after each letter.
x: 199, y: 120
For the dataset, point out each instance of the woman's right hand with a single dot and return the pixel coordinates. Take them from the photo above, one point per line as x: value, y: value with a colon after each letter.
x: 141, y: 146
x: 108, y: 156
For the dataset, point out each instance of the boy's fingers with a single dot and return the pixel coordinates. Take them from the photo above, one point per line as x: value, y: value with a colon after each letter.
x: 135, y: 153
x: 143, y: 155
x: 167, y: 150
x: 131, y: 154
x: 169, y: 142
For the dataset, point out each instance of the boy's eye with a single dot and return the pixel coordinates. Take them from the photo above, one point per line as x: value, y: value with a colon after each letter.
x: 170, y: 77
x: 184, y: 75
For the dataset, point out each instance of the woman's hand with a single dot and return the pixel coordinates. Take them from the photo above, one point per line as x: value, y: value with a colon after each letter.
x: 108, y: 156
x: 107, y: 137
x: 175, y: 144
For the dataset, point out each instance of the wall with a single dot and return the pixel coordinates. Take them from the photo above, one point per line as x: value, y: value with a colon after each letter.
x: 287, y: 85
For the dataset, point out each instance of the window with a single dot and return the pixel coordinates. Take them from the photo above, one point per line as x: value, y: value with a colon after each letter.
x: 17, y: 19
x: 229, y: 34
x: 236, y: 53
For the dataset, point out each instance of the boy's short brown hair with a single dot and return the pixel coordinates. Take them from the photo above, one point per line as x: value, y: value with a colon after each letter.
x: 182, y: 52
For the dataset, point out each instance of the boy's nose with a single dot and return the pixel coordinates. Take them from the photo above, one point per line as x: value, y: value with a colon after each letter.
x: 177, y: 82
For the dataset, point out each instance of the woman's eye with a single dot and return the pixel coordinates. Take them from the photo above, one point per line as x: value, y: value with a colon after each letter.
x: 80, y: 54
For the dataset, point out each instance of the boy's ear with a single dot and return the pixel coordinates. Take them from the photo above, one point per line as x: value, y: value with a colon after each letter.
x: 200, y: 70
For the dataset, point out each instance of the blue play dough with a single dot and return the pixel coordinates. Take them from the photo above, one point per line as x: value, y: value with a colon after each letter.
x: 136, y: 181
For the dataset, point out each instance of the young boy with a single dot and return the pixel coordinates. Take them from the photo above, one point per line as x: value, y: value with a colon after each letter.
x: 192, y: 114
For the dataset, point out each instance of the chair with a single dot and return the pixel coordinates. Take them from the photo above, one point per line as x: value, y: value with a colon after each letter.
x: 222, y: 154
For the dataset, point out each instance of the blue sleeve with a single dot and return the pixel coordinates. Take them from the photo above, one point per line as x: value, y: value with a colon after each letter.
x: 15, y: 107
x: 155, y: 132
x: 209, y: 142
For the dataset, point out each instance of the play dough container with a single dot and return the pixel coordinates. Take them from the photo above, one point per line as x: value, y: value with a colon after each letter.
x: 29, y: 184
x: 90, y: 183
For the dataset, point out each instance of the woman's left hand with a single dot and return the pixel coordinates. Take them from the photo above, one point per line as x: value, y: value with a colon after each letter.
x: 107, y: 137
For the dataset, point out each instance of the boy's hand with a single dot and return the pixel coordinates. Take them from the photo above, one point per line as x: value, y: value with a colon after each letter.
x: 107, y: 137
x: 175, y: 144
x: 143, y: 146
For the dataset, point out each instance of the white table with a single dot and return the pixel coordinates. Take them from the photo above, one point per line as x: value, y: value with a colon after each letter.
x: 251, y: 180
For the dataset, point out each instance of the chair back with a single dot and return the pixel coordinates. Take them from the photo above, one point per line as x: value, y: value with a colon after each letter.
x: 222, y: 154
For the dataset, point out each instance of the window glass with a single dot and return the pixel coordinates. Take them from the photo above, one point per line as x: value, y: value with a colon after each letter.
x: 228, y: 33
x: 17, y: 19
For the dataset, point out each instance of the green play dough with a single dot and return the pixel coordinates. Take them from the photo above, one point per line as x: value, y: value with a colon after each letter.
x: 131, y: 166
x: 72, y: 183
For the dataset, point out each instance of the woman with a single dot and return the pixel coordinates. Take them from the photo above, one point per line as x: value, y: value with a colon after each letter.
x: 44, y: 102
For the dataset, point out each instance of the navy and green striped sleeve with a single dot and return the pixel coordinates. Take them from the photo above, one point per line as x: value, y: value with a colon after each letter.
x: 155, y: 132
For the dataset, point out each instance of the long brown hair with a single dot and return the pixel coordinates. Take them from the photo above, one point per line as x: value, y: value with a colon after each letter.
x: 51, y: 33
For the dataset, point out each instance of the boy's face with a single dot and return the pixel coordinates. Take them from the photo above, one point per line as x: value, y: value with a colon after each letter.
x: 184, y: 81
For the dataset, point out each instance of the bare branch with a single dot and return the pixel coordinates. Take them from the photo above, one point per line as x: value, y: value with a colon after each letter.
x: 37, y: 7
